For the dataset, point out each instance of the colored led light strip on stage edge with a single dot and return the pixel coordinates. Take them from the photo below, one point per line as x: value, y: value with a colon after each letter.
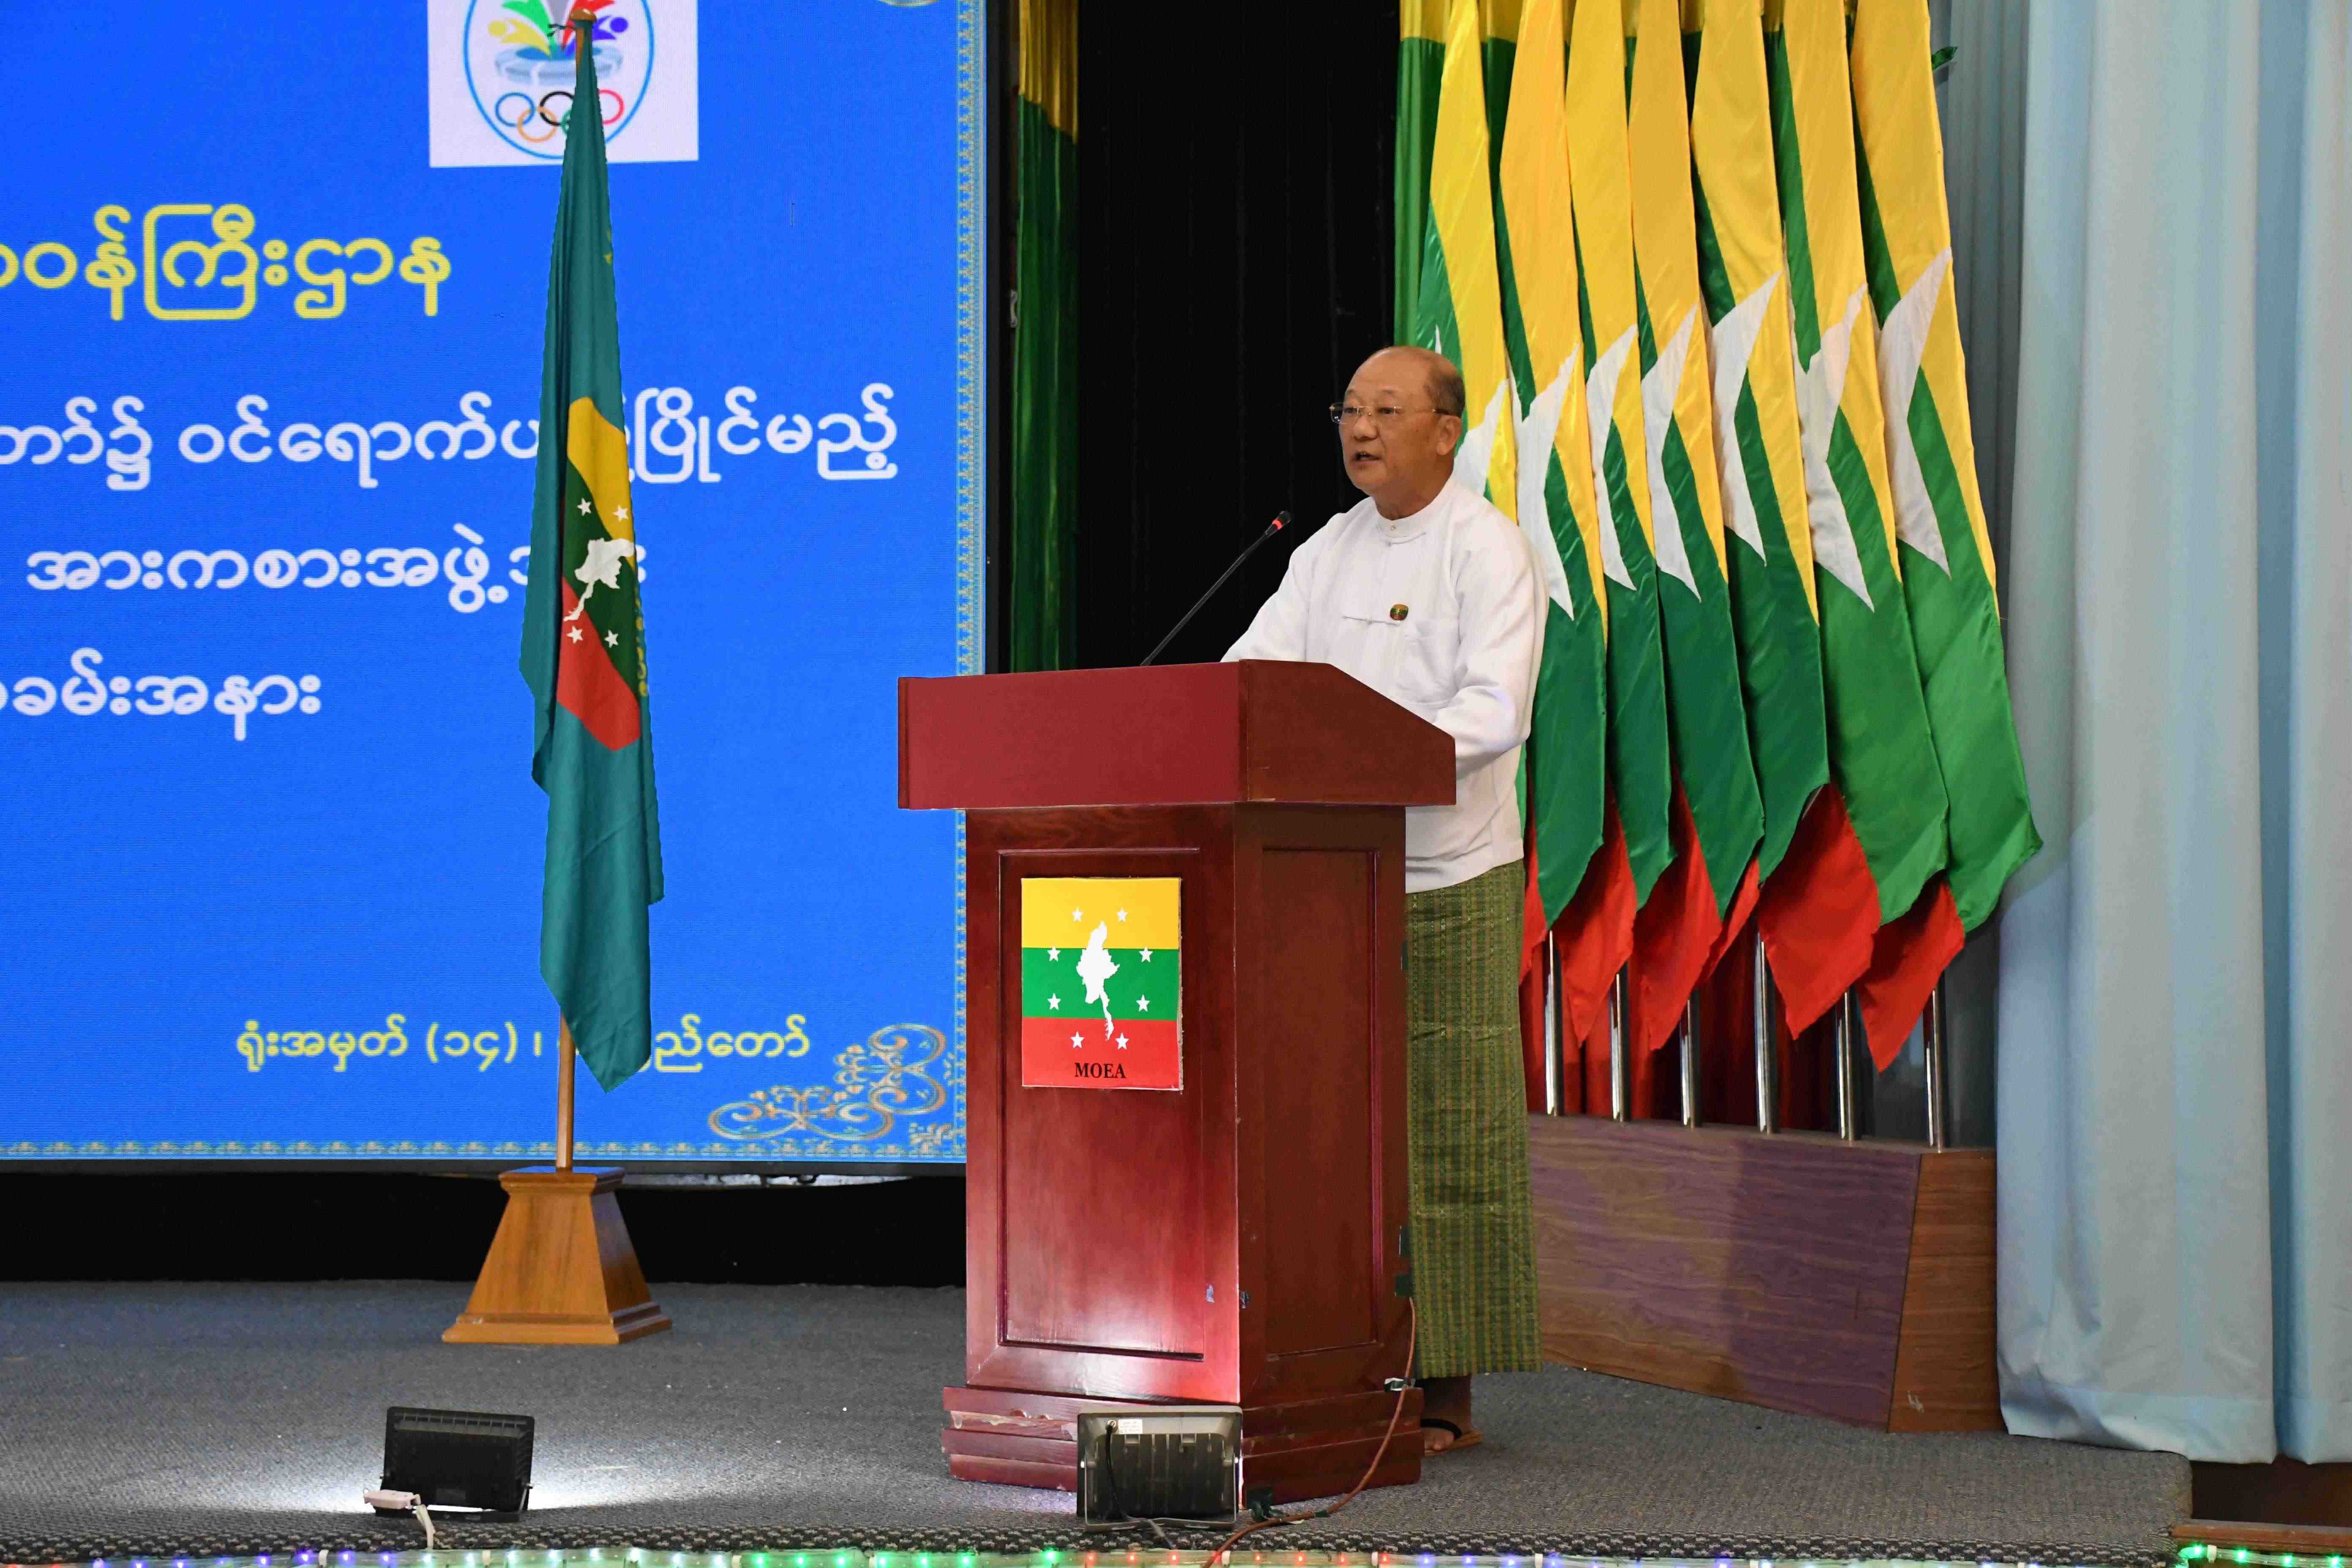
x: 2205, y: 1552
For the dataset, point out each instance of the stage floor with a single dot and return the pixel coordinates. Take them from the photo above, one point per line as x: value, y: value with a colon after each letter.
x: 171, y: 1420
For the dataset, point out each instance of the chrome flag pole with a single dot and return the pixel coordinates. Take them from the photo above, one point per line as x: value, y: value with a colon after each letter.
x: 1938, y: 1133
x: 1690, y: 1061
x: 1842, y: 1037
x: 1620, y: 1088
x: 1767, y: 1060
x: 1555, y: 1057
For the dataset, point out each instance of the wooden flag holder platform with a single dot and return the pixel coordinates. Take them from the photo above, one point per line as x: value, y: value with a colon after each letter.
x: 1809, y: 1272
x: 1792, y: 1270
x: 561, y: 1271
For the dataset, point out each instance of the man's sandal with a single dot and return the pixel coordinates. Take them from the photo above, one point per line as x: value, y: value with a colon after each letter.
x: 1462, y: 1439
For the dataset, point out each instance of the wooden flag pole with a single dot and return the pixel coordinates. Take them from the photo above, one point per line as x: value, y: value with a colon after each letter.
x: 564, y: 1077
x: 562, y: 1270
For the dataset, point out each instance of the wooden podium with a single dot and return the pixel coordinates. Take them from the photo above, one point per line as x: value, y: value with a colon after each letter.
x: 1240, y: 1240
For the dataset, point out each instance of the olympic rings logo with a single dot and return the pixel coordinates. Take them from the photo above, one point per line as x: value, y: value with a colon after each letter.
x: 519, y: 74
x: 524, y: 111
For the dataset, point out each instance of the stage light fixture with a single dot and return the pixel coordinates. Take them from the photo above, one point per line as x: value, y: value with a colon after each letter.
x: 459, y: 1458
x: 1180, y: 1462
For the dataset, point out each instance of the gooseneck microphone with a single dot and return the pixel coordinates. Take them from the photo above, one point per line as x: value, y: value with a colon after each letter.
x: 1281, y: 520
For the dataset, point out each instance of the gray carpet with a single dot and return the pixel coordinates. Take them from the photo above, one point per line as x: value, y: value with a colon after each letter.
x: 164, y: 1418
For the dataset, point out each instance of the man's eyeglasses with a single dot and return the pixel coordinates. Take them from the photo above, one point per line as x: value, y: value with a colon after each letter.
x: 1346, y: 414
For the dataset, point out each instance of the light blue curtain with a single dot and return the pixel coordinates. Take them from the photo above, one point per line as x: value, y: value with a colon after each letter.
x: 2175, y: 998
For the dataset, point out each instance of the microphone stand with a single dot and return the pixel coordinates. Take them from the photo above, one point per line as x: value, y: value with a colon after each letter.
x: 1280, y: 521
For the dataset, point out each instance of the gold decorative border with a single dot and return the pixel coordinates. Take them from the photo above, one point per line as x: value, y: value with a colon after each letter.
x: 881, y: 1089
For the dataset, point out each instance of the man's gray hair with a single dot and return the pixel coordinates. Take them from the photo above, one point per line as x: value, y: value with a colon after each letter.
x: 1447, y: 393
x: 1445, y: 388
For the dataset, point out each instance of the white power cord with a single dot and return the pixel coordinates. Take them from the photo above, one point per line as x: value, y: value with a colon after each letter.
x: 408, y: 1500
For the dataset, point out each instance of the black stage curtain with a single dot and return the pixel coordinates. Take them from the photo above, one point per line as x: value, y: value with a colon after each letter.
x: 1234, y: 245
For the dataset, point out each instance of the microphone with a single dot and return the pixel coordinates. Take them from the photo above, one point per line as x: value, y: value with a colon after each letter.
x: 1281, y: 520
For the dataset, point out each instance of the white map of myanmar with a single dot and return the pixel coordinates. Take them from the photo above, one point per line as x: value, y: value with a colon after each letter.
x: 1096, y: 966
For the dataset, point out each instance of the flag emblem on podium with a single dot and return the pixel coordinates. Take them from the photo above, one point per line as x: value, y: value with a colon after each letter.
x: 1102, y: 982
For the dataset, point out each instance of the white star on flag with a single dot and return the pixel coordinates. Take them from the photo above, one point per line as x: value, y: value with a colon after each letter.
x: 1052, y: 955
x: 1660, y: 386
x: 1147, y: 955
x: 1075, y: 915
x: 1599, y: 403
x: 573, y: 634
x: 1143, y: 1004
x: 1076, y: 1041
x: 1122, y: 914
x: 612, y: 639
x: 1122, y: 1042
x: 1902, y: 345
x: 1537, y: 434
x: 1735, y: 344
x: 585, y: 509
x: 622, y: 512
x: 1053, y: 1004
x: 1821, y: 387
x: 1476, y: 452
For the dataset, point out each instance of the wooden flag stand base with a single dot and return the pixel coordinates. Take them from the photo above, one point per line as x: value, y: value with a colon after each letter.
x: 561, y: 1271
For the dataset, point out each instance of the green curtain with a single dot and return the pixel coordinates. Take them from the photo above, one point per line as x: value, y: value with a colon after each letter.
x: 1042, y: 548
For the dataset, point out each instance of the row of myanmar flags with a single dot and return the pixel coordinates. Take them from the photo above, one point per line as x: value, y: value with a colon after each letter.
x: 1694, y: 261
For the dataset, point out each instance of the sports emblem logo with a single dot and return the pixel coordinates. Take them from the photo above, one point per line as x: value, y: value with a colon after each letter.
x: 502, y: 72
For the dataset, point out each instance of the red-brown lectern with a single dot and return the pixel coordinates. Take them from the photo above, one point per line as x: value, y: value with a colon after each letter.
x: 1238, y: 1241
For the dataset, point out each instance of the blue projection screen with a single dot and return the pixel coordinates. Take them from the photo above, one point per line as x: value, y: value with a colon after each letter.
x: 273, y: 288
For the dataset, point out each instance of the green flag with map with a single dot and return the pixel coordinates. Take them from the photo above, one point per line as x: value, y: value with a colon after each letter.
x: 584, y: 638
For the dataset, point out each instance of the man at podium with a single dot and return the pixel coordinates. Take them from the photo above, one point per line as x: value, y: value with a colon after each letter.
x: 1425, y: 593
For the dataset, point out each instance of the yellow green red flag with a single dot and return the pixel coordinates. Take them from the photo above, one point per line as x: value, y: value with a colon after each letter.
x: 1600, y: 191
x: 1420, y: 67
x: 1719, y: 816
x: 1567, y: 754
x: 1460, y: 310
x: 1420, y: 70
x: 1042, y: 553
x: 1768, y: 545
x: 1535, y: 243
x: 1102, y: 982
x: 1818, y: 906
x: 1882, y: 757
x: 1947, y: 567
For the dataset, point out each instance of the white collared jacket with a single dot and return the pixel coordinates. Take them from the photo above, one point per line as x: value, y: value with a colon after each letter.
x: 1441, y: 612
